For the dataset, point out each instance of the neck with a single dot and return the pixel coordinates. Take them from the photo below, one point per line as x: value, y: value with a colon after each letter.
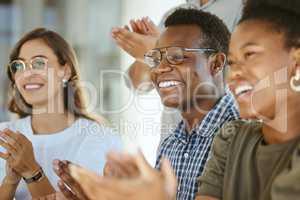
x: 52, y: 117
x: 51, y: 123
x: 195, y: 115
x: 284, y: 127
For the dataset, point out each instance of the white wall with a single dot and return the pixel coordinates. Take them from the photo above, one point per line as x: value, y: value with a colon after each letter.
x: 141, y: 121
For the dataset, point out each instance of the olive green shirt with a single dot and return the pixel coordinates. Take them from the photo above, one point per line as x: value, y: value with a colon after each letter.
x: 242, y: 167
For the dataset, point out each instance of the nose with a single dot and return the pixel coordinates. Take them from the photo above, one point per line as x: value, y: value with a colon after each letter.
x: 234, y: 72
x: 163, y: 67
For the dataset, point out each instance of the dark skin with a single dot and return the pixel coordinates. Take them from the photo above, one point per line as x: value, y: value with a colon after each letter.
x: 199, y: 75
x: 260, y: 55
x: 136, y: 43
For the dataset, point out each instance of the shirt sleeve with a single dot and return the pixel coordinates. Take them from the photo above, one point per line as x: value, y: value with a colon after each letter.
x: 286, y: 185
x: 211, y: 181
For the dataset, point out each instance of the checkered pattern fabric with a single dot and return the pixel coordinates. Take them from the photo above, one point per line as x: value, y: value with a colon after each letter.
x: 188, y: 153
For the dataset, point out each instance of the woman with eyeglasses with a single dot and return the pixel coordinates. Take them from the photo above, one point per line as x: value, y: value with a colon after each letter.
x: 53, y: 119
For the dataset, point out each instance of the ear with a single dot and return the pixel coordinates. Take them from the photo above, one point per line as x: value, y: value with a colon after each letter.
x: 67, y: 72
x: 296, y: 56
x: 296, y: 60
x: 217, y: 63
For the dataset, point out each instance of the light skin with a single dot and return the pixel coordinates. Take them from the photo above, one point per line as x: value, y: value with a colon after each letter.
x: 162, y: 183
x: 255, y: 55
x: 20, y: 152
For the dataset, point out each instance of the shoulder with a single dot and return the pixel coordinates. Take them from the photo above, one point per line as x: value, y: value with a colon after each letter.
x: 285, y: 184
x: 16, y: 124
x: 237, y: 130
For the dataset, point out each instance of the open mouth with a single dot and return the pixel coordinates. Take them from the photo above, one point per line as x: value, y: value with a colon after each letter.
x: 33, y: 86
x: 168, y: 84
x: 242, y: 90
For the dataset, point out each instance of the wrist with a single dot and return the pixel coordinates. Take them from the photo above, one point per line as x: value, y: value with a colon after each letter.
x: 10, y: 180
x: 33, y: 169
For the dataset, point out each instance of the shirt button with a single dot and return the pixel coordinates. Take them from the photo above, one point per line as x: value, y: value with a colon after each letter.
x: 186, y: 155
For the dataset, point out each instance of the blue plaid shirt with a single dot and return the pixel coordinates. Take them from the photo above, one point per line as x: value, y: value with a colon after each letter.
x: 188, y: 153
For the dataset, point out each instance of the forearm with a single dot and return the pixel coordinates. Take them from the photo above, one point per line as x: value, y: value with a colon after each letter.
x: 8, y: 190
x: 40, y: 188
x: 140, y: 77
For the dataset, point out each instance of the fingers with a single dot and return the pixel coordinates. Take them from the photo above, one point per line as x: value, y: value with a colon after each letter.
x: 122, y: 165
x: 134, y: 26
x: 67, y: 193
x: 151, y: 27
x: 4, y: 156
x: 144, y: 29
x: 48, y: 197
x: 8, y: 147
x: 145, y: 169
x: 97, y: 187
x: 169, y: 177
x: 62, y: 170
x: 12, y: 139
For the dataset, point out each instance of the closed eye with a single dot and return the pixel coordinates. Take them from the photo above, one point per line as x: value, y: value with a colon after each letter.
x: 249, y: 54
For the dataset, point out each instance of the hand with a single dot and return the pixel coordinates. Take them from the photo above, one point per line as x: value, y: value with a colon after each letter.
x: 55, y: 196
x: 12, y: 177
x: 144, y: 26
x: 66, y: 181
x: 120, y: 166
x: 134, y: 43
x: 19, y: 155
x: 150, y: 184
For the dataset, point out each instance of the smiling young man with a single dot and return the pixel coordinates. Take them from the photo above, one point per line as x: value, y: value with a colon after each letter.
x: 188, y: 73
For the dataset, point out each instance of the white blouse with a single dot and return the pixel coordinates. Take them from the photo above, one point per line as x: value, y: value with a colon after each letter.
x: 85, y: 142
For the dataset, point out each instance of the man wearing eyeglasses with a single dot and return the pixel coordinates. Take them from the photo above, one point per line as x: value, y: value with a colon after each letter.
x: 187, y: 69
x: 144, y: 35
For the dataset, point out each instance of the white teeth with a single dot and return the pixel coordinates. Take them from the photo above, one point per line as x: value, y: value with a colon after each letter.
x: 242, y: 89
x: 165, y: 84
x: 32, y: 86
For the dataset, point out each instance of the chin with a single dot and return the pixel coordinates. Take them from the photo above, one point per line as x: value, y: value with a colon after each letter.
x: 171, y: 104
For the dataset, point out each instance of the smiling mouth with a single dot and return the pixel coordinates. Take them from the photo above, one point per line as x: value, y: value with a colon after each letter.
x: 243, y: 89
x: 168, y: 84
x: 33, y: 86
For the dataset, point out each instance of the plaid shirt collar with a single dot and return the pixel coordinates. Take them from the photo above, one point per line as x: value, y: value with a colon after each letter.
x: 225, y: 110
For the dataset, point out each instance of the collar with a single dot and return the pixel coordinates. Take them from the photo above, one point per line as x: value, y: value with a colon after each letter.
x: 224, y: 110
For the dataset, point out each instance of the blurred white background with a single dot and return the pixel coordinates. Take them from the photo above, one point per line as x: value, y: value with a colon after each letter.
x: 86, y: 24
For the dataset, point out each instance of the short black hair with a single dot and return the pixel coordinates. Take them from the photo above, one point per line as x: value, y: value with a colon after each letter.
x: 283, y: 16
x: 215, y: 33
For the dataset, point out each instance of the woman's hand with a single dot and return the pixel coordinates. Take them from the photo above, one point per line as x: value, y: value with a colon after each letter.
x: 55, y: 196
x: 67, y: 185
x: 12, y: 177
x: 20, y: 154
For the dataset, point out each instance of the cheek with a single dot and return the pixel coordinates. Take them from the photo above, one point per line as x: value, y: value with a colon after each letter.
x: 153, y: 76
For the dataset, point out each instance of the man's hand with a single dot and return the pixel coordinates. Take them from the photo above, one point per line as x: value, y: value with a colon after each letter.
x: 120, y: 166
x: 68, y: 186
x: 137, y: 42
x: 150, y: 184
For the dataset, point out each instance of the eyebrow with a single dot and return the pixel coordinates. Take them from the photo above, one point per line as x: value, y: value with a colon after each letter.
x: 33, y: 57
x: 249, y: 44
